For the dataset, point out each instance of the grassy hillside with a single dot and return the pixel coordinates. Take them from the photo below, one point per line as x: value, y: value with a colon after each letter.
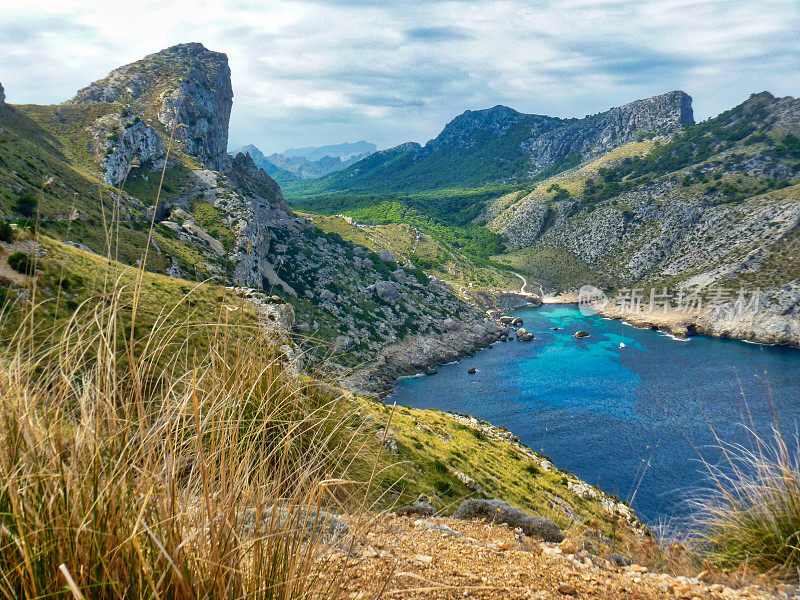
x: 424, y: 251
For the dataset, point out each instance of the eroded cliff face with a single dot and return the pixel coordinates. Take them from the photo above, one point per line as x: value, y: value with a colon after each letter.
x: 2, y: 94
x: 184, y: 91
x: 596, y: 134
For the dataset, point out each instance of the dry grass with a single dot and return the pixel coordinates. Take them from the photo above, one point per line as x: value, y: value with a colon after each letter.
x: 198, y: 479
x: 753, y: 518
x: 137, y: 462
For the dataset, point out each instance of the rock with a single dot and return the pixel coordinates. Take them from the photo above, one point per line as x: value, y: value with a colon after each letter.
x: 327, y: 295
x: 387, y: 438
x: 423, y: 505
x: 2, y: 94
x: 498, y: 511
x: 620, y: 560
x: 581, y: 334
x: 312, y: 521
x: 517, y: 322
x: 185, y: 85
x: 343, y: 342
x: 385, y: 255
x: 523, y: 335
x: 387, y: 291
x: 472, y: 370
x: 430, y: 371
x: 506, y: 320
x: 430, y: 526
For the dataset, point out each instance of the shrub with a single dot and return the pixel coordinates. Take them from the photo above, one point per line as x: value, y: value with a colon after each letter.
x: 26, y: 205
x: 753, y: 517
x: 22, y: 263
x: 6, y: 232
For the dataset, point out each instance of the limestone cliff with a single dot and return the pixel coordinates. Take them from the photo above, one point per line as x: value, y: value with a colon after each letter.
x: 184, y: 90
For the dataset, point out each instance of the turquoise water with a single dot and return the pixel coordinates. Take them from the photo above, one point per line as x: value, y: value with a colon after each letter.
x: 616, y: 408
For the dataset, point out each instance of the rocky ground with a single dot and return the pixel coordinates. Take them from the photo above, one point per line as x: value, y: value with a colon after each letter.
x: 430, y: 557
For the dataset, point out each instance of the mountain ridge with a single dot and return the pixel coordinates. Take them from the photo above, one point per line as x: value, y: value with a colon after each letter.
x: 500, y: 145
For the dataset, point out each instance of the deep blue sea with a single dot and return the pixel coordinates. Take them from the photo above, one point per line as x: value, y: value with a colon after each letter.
x: 616, y: 408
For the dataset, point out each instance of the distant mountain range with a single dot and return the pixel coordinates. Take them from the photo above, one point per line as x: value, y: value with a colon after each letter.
x: 499, y: 146
x: 308, y: 163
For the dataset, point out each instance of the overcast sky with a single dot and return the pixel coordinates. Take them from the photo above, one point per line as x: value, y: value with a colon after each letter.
x: 314, y: 72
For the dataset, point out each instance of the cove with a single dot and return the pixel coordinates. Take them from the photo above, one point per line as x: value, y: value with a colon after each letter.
x: 625, y: 408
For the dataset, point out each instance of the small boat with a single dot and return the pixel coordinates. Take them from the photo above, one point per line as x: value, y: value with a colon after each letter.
x: 621, y: 345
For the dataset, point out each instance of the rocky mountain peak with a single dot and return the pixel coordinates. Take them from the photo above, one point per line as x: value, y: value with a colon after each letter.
x: 469, y: 126
x: 672, y: 110
x: 185, y: 88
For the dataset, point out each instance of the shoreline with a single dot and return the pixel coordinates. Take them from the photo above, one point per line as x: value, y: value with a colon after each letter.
x: 420, y: 355
x: 682, y: 325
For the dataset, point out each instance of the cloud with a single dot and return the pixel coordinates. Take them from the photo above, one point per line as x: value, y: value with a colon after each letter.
x: 434, y: 35
x: 310, y: 72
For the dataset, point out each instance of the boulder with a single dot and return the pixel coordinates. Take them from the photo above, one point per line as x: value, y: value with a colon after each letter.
x: 387, y: 291
x: 385, y: 255
x: 523, y: 335
x: 506, y: 320
x: 517, y: 322
x: 498, y: 511
x: 327, y: 295
x: 581, y: 334
x: 421, y: 506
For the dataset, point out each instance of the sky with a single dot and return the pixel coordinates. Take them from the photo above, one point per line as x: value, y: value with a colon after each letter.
x: 315, y: 72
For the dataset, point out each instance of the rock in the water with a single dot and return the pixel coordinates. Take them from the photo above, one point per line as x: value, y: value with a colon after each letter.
x: 506, y: 320
x: 472, y: 370
x: 498, y: 511
x: 581, y: 334
x: 523, y: 335
x: 517, y: 322
x: 431, y: 371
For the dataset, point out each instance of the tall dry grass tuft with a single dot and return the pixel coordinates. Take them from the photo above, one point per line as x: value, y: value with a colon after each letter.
x: 753, y: 517
x: 169, y: 474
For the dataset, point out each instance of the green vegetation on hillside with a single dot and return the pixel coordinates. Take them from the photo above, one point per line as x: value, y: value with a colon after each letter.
x: 474, y: 240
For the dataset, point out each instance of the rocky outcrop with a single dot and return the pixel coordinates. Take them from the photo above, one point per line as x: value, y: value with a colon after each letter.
x: 415, y: 354
x: 600, y: 133
x: 2, y: 94
x: 184, y: 90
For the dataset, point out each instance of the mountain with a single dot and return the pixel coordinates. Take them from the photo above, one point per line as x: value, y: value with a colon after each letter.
x: 262, y: 162
x: 344, y: 151
x: 715, y: 206
x: 286, y: 169
x: 92, y: 167
x: 499, y: 145
x: 184, y: 91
